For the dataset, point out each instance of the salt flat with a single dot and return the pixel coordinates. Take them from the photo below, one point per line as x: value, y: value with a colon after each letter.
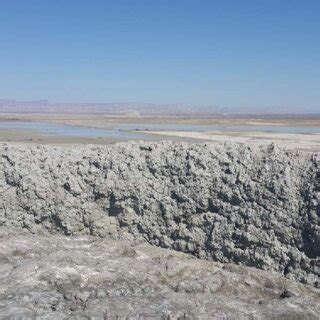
x: 307, y: 142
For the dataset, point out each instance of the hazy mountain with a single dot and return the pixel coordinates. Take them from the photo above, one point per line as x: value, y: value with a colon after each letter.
x: 44, y: 106
x: 7, y: 105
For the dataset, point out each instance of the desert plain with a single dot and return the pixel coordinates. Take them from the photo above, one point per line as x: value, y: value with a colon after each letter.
x: 293, y: 131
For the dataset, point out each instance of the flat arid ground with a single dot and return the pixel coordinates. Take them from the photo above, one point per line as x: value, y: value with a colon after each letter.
x: 292, y: 131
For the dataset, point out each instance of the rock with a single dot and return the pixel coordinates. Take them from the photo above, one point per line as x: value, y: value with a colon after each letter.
x: 286, y: 294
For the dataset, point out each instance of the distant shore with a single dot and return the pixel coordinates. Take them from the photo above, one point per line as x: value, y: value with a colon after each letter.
x: 168, y: 131
x: 306, y: 142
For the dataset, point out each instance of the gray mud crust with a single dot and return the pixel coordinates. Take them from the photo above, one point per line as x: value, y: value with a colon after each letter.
x: 85, y: 277
x: 253, y: 206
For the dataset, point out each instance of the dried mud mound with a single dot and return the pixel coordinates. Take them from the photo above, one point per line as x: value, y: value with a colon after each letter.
x: 83, y: 277
x: 231, y: 203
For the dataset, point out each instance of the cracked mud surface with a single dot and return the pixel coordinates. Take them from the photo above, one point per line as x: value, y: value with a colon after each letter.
x: 83, y: 277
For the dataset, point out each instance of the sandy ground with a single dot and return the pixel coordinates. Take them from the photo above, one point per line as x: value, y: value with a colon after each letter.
x: 309, y: 142
x: 105, y: 120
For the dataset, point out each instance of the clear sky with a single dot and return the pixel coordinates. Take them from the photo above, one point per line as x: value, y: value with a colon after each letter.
x: 240, y: 53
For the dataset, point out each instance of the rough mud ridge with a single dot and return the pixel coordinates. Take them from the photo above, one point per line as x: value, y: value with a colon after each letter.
x: 256, y: 206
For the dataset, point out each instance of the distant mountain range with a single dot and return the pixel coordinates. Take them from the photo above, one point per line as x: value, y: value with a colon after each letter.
x: 44, y: 106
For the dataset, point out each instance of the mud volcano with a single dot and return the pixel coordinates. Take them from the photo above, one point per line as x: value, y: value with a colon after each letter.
x: 252, y: 206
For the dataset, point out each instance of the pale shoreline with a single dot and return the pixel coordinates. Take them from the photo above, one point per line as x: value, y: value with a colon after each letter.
x: 306, y: 142
x: 309, y: 142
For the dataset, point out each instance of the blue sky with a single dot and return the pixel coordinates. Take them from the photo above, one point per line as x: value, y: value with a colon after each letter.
x: 253, y: 54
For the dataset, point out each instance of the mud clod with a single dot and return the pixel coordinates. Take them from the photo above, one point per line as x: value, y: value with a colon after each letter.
x: 256, y: 206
